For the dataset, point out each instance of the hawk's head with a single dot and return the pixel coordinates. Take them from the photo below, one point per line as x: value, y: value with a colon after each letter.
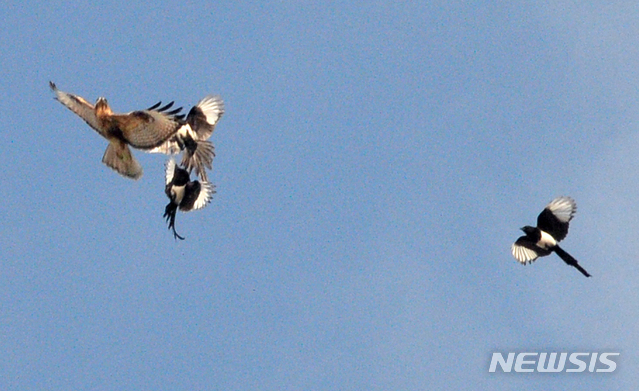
x: 102, y: 107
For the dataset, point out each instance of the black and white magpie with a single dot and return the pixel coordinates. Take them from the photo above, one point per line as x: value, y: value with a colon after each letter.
x: 183, y: 193
x: 192, y: 137
x: 552, y: 227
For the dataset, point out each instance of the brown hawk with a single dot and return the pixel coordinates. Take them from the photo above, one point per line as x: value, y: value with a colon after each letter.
x: 142, y: 129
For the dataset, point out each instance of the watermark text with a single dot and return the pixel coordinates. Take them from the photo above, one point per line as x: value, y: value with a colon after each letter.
x: 553, y: 362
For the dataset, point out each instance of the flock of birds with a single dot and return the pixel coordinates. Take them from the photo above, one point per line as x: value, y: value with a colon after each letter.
x: 158, y: 129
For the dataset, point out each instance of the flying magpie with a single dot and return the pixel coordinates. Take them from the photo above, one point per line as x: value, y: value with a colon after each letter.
x: 192, y: 137
x: 183, y: 193
x: 552, y: 227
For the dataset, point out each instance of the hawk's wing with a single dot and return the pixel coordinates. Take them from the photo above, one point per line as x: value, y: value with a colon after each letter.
x: 204, y: 116
x: 146, y: 129
x: 78, y: 105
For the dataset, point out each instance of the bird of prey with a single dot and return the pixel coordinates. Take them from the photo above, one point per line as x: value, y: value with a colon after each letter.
x: 183, y: 193
x: 552, y: 227
x: 142, y: 129
x: 192, y: 137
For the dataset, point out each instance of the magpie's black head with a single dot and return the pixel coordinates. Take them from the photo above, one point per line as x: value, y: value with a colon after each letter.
x: 529, y: 230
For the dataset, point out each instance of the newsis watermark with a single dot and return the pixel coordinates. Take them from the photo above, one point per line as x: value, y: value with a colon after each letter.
x: 553, y: 362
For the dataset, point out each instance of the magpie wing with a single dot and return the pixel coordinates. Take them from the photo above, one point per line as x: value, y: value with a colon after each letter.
x: 555, y: 218
x: 197, y: 195
x: 525, y: 251
x: 204, y: 116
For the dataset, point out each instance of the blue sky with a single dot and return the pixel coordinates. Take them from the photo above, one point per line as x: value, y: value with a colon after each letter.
x: 373, y: 167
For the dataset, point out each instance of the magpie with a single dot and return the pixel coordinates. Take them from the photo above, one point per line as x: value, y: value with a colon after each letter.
x: 183, y: 193
x: 192, y: 137
x: 552, y: 227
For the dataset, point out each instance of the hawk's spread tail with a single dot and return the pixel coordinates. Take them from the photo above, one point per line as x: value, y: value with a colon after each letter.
x: 118, y: 156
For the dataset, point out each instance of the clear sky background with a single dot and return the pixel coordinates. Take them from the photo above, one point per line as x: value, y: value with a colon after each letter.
x: 373, y: 167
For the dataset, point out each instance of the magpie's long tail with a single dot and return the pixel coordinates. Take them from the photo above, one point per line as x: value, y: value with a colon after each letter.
x: 169, y: 215
x: 198, y: 155
x: 570, y: 260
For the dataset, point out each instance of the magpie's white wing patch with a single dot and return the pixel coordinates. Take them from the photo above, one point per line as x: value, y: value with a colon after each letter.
x: 563, y: 208
x: 212, y: 107
x: 170, y: 171
x: 206, y: 193
x: 204, y: 116
x: 523, y: 254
